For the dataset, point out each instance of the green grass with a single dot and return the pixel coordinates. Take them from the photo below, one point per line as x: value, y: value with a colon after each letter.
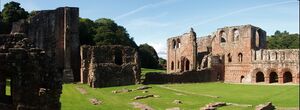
x: 147, y: 70
x: 193, y: 96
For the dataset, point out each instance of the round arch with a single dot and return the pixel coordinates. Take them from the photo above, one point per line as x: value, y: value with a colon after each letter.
x: 287, y: 77
x: 259, y: 77
x: 273, y: 77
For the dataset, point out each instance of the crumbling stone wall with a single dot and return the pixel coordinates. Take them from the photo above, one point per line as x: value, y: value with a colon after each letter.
x: 109, y: 65
x: 35, y: 83
x: 182, y: 52
x: 183, y: 77
x: 35, y: 56
x: 56, y: 31
x: 237, y: 53
x: 276, y: 65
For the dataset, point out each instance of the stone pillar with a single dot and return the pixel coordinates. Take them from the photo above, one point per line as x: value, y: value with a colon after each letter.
x: 267, y: 80
x: 194, y: 60
x: 68, y: 73
x: 280, y: 79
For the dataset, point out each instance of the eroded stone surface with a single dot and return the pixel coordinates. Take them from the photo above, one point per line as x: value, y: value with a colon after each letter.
x: 109, y: 65
x: 235, y: 54
x: 32, y: 58
x: 141, y: 106
x: 267, y: 106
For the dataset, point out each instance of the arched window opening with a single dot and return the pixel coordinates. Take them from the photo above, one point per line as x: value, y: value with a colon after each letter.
x: 118, y: 57
x: 287, y: 77
x: 229, y: 58
x: 178, y: 43
x: 257, y: 36
x: 174, y: 44
x: 178, y: 64
x: 276, y: 54
x: 187, y: 65
x: 223, y: 36
x: 242, y: 79
x: 8, y: 87
x: 273, y: 77
x: 236, y: 35
x: 172, y: 65
x: 260, y: 77
x: 240, y: 57
x: 5, y: 89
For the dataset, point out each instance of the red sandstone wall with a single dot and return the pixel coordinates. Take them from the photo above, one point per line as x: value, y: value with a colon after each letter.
x: 182, y: 50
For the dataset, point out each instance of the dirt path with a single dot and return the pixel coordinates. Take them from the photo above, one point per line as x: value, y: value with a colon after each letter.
x: 141, y: 106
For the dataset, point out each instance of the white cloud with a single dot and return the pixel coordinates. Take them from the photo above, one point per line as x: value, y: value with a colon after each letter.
x: 152, y: 5
x: 161, y: 48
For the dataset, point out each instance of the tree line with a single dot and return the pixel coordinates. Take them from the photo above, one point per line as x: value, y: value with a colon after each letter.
x: 283, y: 40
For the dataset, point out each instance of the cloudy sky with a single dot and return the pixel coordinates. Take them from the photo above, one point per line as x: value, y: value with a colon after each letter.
x: 153, y: 21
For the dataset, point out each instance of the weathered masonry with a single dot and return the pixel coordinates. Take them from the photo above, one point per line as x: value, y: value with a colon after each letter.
x: 109, y: 65
x: 234, y: 54
x: 35, y: 59
x: 56, y: 31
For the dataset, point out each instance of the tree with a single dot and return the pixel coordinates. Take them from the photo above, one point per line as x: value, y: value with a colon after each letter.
x: 283, y: 40
x: 148, y: 56
x: 110, y: 33
x: 12, y: 12
x: 162, y: 63
x: 86, y: 31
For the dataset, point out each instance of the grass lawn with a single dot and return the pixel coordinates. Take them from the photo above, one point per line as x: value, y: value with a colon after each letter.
x: 193, y: 96
x: 146, y: 70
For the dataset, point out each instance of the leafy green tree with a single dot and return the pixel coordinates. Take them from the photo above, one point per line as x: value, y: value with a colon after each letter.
x: 86, y: 31
x: 283, y: 40
x: 148, y: 56
x: 110, y: 33
x: 162, y: 63
x: 12, y: 12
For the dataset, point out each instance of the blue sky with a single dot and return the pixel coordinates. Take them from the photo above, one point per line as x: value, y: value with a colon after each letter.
x: 153, y: 21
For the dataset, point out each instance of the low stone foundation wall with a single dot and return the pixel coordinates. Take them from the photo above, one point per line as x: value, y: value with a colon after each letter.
x: 107, y: 75
x: 184, y: 77
x: 109, y: 65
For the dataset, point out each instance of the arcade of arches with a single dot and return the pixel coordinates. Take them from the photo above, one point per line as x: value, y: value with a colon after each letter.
x: 274, y: 77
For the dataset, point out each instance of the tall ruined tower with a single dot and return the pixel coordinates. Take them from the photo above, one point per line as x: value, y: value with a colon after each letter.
x: 233, y: 45
x: 182, y: 52
x: 56, y: 31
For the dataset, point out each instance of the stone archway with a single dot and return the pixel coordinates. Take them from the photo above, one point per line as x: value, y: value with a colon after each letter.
x: 172, y: 65
x: 273, y: 77
x: 287, y: 77
x: 260, y: 77
x: 242, y: 79
x: 187, y: 65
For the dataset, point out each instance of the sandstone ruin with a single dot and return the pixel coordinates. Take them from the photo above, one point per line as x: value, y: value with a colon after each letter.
x: 109, y: 65
x: 235, y: 54
x: 36, y: 57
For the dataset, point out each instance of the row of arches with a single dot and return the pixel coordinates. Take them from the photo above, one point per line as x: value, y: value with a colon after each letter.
x: 235, y: 37
x: 240, y: 57
x: 176, y: 43
x: 183, y: 65
x: 273, y: 77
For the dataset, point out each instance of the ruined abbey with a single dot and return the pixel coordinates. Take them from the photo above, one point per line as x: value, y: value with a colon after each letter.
x: 35, y: 59
x: 43, y: 52
x: 234, y: 54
